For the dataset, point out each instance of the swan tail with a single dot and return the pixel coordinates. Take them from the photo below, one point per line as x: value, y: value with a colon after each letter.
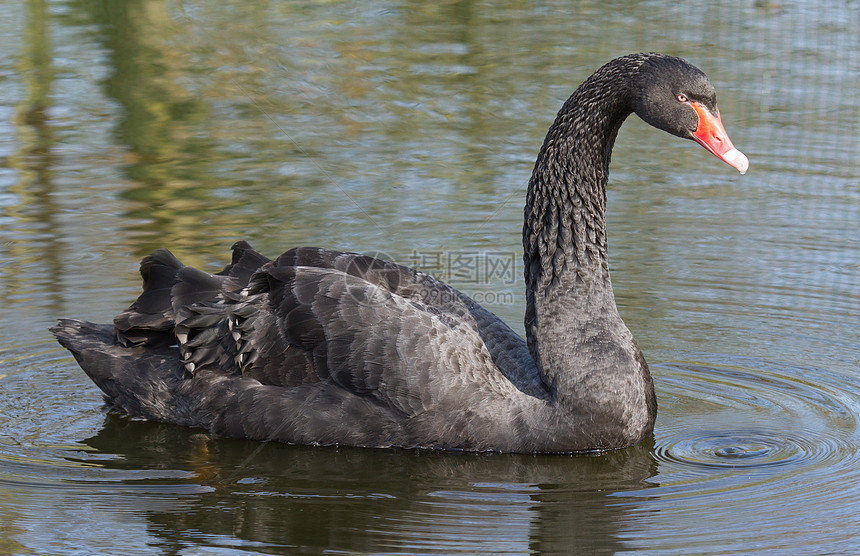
x: 151, y: 383
x: 142, y: 382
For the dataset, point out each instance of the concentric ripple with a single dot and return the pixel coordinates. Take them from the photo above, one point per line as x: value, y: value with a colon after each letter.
x: 772, y: 426
x: 720, y: 449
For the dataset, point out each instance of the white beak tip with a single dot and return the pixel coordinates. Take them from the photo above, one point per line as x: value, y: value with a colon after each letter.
x: 738, y: 160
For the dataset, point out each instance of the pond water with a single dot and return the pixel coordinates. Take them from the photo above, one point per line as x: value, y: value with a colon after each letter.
x: 410, y: 128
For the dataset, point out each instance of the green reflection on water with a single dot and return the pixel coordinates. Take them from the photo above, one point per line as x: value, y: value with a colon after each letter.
x: 34, y: 164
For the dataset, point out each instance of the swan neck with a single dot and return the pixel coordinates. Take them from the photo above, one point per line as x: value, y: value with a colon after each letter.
x: 568, y: 289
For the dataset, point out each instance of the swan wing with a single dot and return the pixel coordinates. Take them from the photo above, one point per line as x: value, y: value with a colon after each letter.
x: 371, y: 327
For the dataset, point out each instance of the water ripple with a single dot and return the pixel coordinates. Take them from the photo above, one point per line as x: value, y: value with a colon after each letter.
x: 720, y: 449
x: 772, y: 426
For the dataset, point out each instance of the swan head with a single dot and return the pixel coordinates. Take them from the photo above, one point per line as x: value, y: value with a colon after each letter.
x: 673, y: 95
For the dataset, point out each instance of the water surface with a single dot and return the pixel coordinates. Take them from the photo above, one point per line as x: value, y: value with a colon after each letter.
x: 410, y: 129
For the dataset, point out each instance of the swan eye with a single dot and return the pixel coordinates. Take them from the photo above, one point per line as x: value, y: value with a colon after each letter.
x: 681, y: 97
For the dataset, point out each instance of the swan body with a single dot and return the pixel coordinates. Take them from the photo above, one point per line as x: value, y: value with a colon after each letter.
x: 332, y: 348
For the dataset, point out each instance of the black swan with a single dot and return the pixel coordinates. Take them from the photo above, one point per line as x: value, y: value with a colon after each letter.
x: 331, y: 348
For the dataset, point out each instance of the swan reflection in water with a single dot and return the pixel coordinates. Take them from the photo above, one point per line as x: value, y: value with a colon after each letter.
x: 368, y: 501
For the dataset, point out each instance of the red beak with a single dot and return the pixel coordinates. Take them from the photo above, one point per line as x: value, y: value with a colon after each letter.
x: 711, y: 135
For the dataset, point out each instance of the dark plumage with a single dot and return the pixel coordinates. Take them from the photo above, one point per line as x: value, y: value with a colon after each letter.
x: 324, y: 347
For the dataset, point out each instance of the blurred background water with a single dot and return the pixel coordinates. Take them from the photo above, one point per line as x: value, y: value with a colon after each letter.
x: 410, y: 128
